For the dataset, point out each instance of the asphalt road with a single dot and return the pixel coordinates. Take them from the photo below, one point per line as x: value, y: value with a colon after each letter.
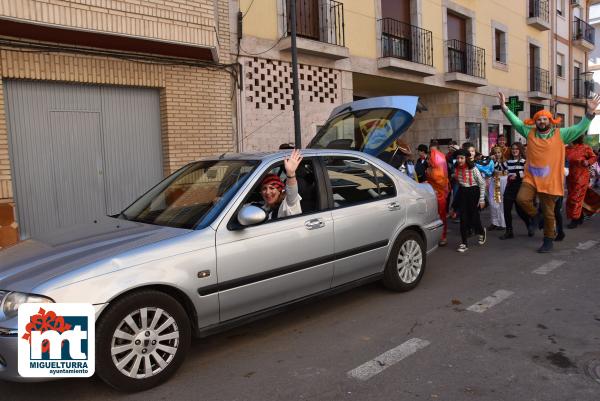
x: 537, y: 339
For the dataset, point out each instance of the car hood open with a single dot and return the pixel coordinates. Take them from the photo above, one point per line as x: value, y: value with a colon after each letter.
x: 368, y: 125
x: 35, y: 261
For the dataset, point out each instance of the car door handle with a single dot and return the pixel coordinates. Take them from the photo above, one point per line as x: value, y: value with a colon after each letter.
x: 314, y: 224
x: 393, y: 206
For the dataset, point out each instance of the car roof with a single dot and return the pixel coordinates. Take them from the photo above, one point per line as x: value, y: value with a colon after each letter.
x: 278, y: 154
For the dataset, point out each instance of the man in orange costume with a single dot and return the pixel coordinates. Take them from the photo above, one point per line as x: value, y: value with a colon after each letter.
x: 437, y: 177
x: 544, y: 170
x: 580, y: 157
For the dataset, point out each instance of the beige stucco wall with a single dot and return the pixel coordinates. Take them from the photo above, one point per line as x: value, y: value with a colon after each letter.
x: 263, y: 23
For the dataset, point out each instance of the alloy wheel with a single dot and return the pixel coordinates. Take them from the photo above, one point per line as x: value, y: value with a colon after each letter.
x: 410, y: 261
x: 144, y: 343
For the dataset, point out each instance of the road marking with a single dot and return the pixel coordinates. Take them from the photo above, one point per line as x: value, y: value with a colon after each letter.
x: 488, y: 302
x: 548, y: 267
x: 584, y: 246
x: 387, y: 359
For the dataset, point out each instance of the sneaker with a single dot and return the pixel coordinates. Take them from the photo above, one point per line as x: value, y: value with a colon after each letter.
x: 482, y: 237
x: 443, y: 242
x: 462, y: 248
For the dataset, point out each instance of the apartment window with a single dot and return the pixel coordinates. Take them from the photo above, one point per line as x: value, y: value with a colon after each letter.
x: 499, y: 46
x: 562, y: 119
x: 560, y: 7
x: 534, y: 108
x: 577, y: 119
x: 560, y: 62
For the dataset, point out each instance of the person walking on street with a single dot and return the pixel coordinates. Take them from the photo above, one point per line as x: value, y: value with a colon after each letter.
x: 496, y: 189
x: 421, y: 164
x: 470, y: 199
x: 544, y: 169
x: 437, y: 177
x: 580, y: 157
x: 515, y: 167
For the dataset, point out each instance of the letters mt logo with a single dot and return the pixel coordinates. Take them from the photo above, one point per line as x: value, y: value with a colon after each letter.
x: 56, y: 340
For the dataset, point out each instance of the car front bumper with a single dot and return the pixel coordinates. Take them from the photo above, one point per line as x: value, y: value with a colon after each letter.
x: 9, y: 360
x: 8, y: 355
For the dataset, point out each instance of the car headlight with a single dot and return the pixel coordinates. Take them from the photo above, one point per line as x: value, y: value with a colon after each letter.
x: 10, y: 302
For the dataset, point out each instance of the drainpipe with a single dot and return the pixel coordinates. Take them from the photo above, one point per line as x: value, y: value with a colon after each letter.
x: 295, y: 88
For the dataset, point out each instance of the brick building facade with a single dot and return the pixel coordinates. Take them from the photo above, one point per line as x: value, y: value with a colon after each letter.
x: 180, y: 48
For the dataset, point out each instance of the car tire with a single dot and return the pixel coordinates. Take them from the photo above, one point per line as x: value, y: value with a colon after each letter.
x: 406, y: 263
x: 136, y: 359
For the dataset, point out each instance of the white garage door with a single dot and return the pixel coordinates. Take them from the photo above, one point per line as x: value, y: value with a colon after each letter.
x: 79, y: 151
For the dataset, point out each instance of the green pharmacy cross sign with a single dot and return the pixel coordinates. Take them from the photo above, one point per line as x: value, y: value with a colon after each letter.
x: 514, y: 104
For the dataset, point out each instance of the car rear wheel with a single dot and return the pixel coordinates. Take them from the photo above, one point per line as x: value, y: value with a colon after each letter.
x: 406, y: 264
x: 141, y: 340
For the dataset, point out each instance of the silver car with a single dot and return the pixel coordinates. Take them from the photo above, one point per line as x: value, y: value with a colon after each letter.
x: 194, y: 255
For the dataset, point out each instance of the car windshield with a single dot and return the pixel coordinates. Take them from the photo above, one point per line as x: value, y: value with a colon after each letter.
x: 369, y: 130
x: 192, y: 196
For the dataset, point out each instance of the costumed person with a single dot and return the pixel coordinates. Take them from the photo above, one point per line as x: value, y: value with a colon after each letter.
x: 470, y: 199
x: 580, y: 157
x: 591, y: 203
x: 544, y: 169
x: 437, y: 177
x: 421, y: 164
x: 505, y: 149
x: 279, y: 199
x: 496, y: 189
x: 469, y: 150
x: 595, y: 173
x: 450, y: 162
x: 515, y: 167
x: 485, y: 165
x: 407, y: 166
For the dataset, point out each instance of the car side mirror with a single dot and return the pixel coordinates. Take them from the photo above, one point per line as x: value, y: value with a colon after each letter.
x: 250, y: 215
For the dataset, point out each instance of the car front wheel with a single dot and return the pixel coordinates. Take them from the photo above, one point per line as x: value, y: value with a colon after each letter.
x: 141, y: 340
x: 406, y: 264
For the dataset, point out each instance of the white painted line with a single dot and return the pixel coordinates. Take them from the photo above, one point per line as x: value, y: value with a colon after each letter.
x: 387, y: 359
x: 584, y: 246
x: 488, y: 302
x: 548, y: 267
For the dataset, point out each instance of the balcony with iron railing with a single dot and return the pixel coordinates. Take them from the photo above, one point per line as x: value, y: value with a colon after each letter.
x: 466, y: 63
x: 406, y: 47
x: 583, y: 35
x: 539, y: 14
x: 584, y: 86
x: 539, y: 83
x: 319, y: 28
